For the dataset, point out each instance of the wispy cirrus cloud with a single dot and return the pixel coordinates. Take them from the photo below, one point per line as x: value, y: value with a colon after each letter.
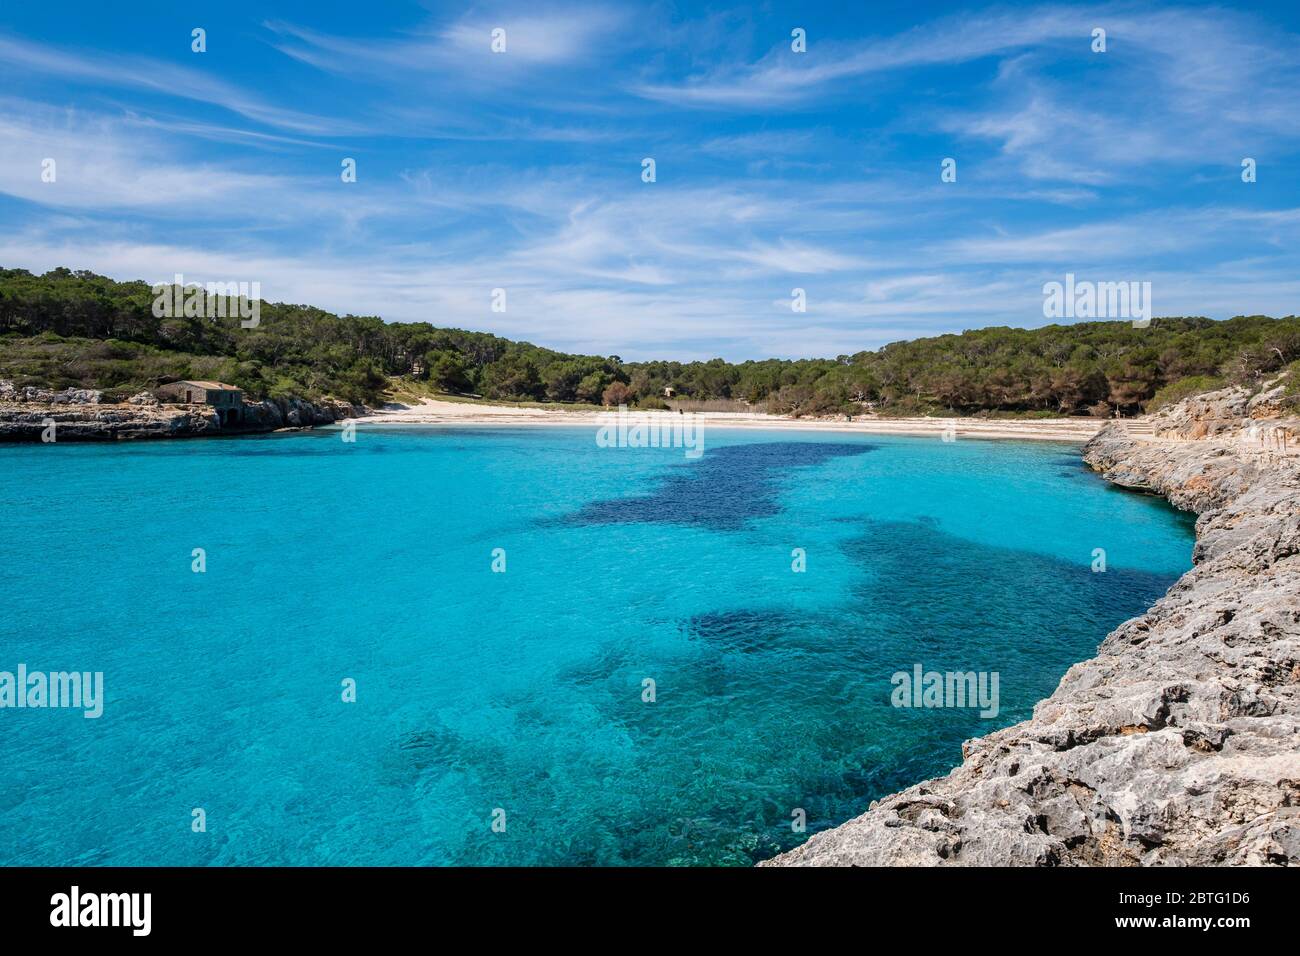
x: 99, y: 164
x: 1136, y: 239
x: 159, y: 77
x: 1204, y: 75
x: 784, y: 78
x: 532, y: 39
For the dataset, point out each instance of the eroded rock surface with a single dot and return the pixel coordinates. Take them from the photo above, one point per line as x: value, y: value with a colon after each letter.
x: 1179, y: 743
x: 80, y: 415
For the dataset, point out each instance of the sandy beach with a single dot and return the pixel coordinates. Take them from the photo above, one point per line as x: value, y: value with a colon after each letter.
x: 433, y: 412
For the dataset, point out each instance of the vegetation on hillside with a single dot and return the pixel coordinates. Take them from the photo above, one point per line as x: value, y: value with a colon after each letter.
x: 67, y: 328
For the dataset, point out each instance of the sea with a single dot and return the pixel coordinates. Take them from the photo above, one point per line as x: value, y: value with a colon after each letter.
x: 460, y: 645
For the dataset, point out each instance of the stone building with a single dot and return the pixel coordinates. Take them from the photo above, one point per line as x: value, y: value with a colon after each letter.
x: 226, y: 400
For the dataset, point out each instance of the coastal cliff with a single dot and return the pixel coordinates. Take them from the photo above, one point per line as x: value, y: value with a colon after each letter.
x: 1179, y: 743
x: 82, y: 415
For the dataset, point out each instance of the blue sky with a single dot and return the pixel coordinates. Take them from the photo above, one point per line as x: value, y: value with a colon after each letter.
x: 775, y: 170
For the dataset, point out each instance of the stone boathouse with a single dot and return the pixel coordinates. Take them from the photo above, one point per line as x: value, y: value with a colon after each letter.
x: 226, y: 400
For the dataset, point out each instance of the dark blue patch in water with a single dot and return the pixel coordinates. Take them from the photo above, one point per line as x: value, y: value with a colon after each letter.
x: 439, y: 749
x: 722, y: 490
x: 751, y: 630
x: 800, y: 701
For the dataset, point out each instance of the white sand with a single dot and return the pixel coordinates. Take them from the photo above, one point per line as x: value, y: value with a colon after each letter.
x: 432, y: 412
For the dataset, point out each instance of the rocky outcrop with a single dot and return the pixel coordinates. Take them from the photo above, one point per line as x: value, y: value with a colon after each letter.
x: 44, y: 422
x: 68, y: 396
x: 29, y: 414
x: 271, y: 414
x: 1179, y: 743
x: 1230, y: 413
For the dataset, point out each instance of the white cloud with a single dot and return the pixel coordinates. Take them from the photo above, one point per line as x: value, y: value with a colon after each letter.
x: 99, y: 165
x: 157, y: 76
x: 783, y: 78
x: 533, y: 38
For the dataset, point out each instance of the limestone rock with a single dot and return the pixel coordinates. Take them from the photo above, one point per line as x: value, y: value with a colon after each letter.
x: 1204, y: 415
x: 79, y: 415
x: 68, y: 396
x: 1268, y: 403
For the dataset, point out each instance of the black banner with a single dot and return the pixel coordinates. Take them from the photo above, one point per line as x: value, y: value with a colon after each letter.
x: 332, y: 905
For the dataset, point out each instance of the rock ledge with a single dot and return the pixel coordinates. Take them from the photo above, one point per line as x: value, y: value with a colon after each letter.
x: 82, y: 415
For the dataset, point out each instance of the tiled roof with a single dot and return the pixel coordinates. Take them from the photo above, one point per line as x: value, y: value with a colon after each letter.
x: 211, y: 385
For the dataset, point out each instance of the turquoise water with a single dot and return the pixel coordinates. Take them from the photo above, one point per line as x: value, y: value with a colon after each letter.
x: 523, y: 690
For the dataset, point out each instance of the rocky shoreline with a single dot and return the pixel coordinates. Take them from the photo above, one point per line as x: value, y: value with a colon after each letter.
x: 26, y: 415
x: 1179, y: 743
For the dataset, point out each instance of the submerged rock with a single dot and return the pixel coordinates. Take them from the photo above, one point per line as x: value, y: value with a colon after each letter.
x: 1179, y: 743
